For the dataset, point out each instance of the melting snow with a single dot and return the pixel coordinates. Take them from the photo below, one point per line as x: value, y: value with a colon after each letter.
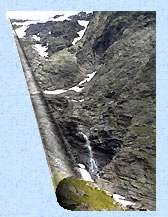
x: 35, y: 17
x: 55, y: 91
x: 39, y: 15
x: 75, y: 88
x: 83, y: 23
x: 41, y: 50
x: 21, y: 30
x: 63, y: 17
x: 122, y: 200
x: 81, y: 32
x: 35, y: 37
x: 85, y: 175
x: 81, y: 166
x: 90, y: 76
x: 59, y: 91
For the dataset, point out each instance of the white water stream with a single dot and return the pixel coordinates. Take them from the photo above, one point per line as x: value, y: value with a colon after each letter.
x: 93, y: 168
x: 85, y: 175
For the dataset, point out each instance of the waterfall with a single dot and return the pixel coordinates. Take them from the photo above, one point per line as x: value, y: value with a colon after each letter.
x: 93, y: 168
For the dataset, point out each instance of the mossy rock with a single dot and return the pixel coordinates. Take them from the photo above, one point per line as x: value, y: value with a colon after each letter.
x: 143, y: 129
x: 75, y: 194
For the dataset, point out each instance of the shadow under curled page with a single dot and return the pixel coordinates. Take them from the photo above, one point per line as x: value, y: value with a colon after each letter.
x: 91, y: 79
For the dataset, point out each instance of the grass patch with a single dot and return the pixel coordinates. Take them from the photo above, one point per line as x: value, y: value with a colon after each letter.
x: 93, y: 198
x: 144, y: 129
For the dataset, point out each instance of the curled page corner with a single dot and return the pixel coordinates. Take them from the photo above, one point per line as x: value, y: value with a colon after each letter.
x: 91, y: 81
x: 49, y: 130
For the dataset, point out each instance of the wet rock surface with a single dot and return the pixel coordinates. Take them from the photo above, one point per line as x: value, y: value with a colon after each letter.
x: 116, y: 108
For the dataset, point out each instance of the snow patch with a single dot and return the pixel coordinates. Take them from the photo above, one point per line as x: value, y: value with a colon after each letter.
x: 122, y: 200
x: 21, y: 31
x: 83, y: 23
x: 35, y: 17
x: 63, y: 17
x: 81, y: 166
x: 90, y: 76
x: 41, y: 50
x: 75, y: 88
x: 35, y: 37
x: 85, y: 175
x: 39, y: 15
x: 24, y: 25
x: 81, y: 32
x: 59, y: 91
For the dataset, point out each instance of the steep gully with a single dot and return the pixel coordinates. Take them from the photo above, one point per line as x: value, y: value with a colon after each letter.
x: 93, y: 168
x: 21, y: 32
x: 125, y: 113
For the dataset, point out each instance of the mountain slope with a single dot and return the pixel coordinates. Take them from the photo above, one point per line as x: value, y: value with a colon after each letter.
x: 104, y: 87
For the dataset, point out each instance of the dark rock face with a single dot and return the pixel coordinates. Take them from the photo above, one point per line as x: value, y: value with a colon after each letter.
x: 117, y: 107
x: 125, y: 99
x: 58, y: 35
x: 51, y: 75
x: 82, y: 16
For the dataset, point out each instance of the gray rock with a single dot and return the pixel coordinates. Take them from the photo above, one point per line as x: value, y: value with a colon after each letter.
x: 118, y: 111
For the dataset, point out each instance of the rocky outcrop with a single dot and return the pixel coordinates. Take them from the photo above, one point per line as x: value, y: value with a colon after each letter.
x: 78, y: 195
x: 128, y: 75
x: 57, y: 35
x: 116, y: 109
x: 82, y: 16
x: 121, y: 100
x: 51, y: 75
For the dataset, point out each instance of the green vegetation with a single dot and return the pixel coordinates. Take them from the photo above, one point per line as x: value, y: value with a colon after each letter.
x: 76, y: 194
x: 148, y: 140
x: 143, y: 129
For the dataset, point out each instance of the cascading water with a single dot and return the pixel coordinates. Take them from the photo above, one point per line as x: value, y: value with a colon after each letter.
x: 93, y: 168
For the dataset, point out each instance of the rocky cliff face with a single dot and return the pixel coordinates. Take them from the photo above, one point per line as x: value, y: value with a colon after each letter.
x: 123, y: 99
x: 116, y: 108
